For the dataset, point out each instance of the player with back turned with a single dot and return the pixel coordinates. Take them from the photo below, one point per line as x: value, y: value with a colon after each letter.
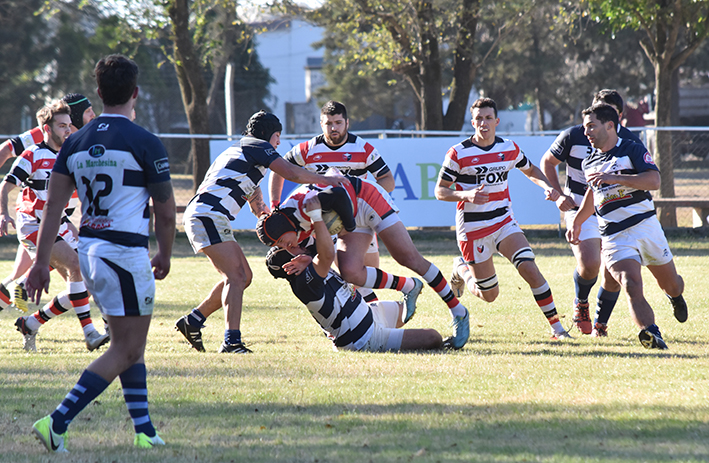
x: 117, y: 167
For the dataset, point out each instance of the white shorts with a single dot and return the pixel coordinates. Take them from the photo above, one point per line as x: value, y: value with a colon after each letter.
x: 120, y: 278
x: 384, y: 336
x: 207, y: 230
x: 376, y: 210
x: 480, y: 250
x: 644, y: 242
x: 589, y: 229
x: 28, y: 232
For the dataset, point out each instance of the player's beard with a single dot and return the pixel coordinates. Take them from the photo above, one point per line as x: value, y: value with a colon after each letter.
x: 57, y: 139
x: 341, y: 137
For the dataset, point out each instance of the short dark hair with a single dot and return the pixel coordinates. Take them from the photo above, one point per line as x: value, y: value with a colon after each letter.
x: 117, y: 78
x: 332, y: 108
x: 609, y: 96
x: 603, y: 112
x: 484, y: 103
x: 46, y: 113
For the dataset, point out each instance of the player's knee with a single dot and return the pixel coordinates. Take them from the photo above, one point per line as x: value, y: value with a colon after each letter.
x: 355, y: 276
x: 487, y: 288
x: 523, y: 256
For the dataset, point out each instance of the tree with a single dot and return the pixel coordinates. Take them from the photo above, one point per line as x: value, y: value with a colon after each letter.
x: 669, y: 32
x: 422, y: 41
x: 205, y: 36
x: 557, y: 61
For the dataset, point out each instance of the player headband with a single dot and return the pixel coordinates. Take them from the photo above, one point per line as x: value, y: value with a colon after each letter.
x: 78, y: 103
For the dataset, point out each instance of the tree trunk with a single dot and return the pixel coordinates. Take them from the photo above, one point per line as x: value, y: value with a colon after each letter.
x: 464, y: 66
x: 430, y: 70
x: 192, y: 87
x: 663, y: 142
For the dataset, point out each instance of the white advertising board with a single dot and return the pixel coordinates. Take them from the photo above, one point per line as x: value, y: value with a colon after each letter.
x: 415, y: 163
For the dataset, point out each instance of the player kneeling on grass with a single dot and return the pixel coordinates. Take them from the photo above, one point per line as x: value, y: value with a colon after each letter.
x: 338, y: 308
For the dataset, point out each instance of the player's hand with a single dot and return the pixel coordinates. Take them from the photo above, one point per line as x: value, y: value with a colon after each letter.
x: 297, y: 264
x: 551, y: 194
x: 334, y: 177
x: 37, y: 281
x: 565, y: 203
x: 160, y: 265
x: 573, y: 233
x: 596, y: 179
x: 479, y: 195
x: 5, y: 219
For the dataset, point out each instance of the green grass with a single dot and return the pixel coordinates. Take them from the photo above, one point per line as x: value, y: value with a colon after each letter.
x: 511, y: 395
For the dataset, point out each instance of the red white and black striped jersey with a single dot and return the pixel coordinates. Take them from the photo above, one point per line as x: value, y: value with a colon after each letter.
x: 355, y: 157
x: 469, y: 166
x: 31, y: 171
x: 23, y: 141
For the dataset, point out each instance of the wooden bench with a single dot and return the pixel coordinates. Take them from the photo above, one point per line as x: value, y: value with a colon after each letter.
x: 700, y: 207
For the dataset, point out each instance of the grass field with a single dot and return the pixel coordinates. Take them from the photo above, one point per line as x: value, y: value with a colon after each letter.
x: 511, y: 395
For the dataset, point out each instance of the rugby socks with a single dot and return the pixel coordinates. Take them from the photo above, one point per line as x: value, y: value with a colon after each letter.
x: 545, y: 301
x: 605, y: 304
x: 89, y: 386
x: 435, y: 279
x: 583, y: 287
x: 135, y: 393
x: 379, y: 279
x: 367, y: 294
x: 196, y: 318
x: 79, y: 299
x: 57, y: 306
x: 232, y: 336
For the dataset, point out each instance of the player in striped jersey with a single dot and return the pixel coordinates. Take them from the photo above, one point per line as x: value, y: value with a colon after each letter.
x: 374, y: 212
x: 31, y: 171
x: 619, y: 174
x: 231, y: 183
x: 474, y: 174
x: 572, y: 147
x: 118, y: 169
x: 81, y: 113
x: 348, y: 321
x: 350, y: 154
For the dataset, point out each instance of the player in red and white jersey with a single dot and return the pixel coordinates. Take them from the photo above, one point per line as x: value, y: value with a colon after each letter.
x: 374, y: 212
x: 350, y: 154
x: 31, y: 171
x: 81, y: 114
x: 474, y: 174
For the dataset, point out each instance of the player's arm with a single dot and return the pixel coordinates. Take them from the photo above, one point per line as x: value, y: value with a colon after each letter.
x: 445, y: 192
x: 548, y: 166
x: 6, y: 152
x: 537, y: 177
x: 5, y: 218
x: 585, y: 211
x: 256, y: 203
x: 275, y: 188
x: 299, y: 175
x: 164, y: 210
x: 648, y: 180
x: 323, y: 242
x: 61, y: 187
x: 387, y: 181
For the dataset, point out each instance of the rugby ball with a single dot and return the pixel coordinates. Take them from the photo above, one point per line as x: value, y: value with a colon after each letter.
x: 332, y: 221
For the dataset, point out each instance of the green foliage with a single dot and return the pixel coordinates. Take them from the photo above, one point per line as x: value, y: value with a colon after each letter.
x: 558, y: 59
